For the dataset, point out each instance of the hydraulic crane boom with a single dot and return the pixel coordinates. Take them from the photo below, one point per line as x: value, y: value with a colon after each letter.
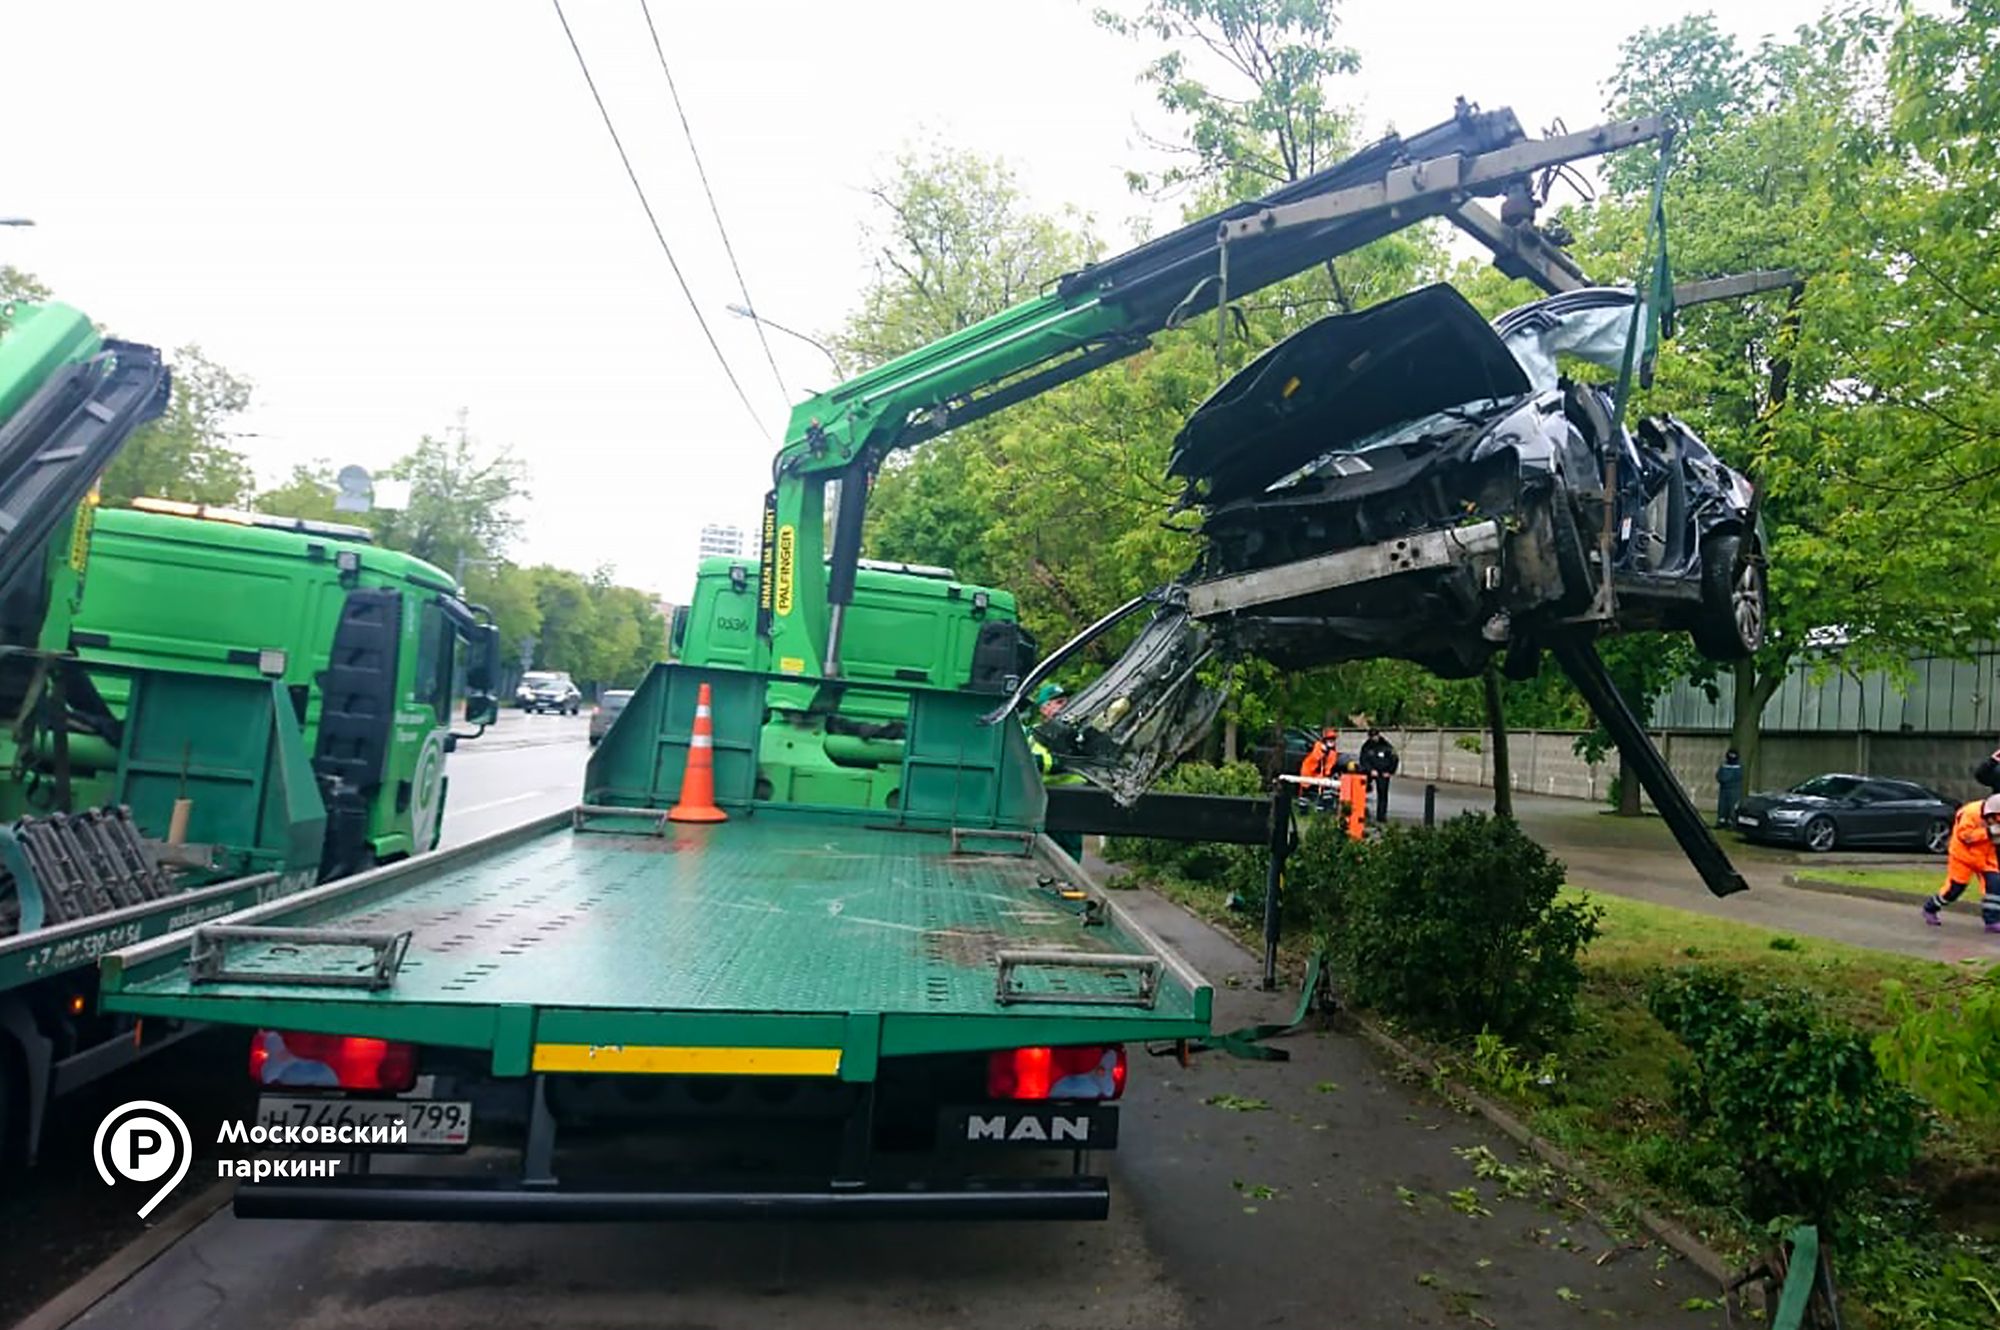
x: 1110, y: 310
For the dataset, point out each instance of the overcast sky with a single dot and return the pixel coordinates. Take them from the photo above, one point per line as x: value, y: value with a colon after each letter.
x: 381, y: 213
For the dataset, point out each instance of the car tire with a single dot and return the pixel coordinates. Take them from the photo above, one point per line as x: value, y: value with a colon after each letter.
x: 1819, y: 835
x: 1937, y: 837
x: 1735, y: 602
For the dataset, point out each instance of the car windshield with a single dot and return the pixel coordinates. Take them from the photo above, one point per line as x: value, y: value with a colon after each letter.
x: 1593, y: 324
x: 615, y: 700
x: 1827, y: 787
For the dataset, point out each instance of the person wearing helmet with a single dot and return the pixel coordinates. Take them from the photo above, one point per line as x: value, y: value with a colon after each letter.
x: 1975, y: 833
x: 1322, y: 762
x: 1049, y: 700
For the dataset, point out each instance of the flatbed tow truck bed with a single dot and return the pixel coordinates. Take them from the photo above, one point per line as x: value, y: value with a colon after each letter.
x: 851, y: 943
x: 857, y: 971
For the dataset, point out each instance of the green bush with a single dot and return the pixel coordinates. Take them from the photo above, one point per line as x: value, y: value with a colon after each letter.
x: 1948, y: 1050
x: 1233, y: 867
x: 1796, y: 1097
x: 1455, y: 930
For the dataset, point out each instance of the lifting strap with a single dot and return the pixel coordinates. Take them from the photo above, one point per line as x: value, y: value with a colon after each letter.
x: 1654, y: 289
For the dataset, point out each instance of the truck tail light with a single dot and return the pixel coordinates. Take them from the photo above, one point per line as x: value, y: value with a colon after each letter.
x: 1094, y: 1071
x: 331, y: 1061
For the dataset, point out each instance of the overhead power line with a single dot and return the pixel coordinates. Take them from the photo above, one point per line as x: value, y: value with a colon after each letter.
x: 658, y: 234
x: 702, y: 172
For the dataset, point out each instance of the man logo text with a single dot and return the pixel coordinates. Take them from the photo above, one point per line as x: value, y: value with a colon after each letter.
x: 1059, y: 1131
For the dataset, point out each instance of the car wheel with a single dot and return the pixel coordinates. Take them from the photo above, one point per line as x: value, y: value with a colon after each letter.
x: 1821, y: 835
x: 1937, y: 836
x: 1735, y: 603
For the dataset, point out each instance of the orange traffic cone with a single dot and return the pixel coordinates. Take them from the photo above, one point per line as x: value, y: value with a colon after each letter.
x: 698, y: 781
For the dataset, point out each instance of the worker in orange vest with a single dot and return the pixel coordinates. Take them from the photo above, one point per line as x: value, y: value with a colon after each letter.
x: 1974, y: 834
x: 1322, y: 762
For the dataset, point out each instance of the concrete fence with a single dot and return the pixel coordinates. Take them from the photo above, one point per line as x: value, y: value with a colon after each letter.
x: 1546, y: 761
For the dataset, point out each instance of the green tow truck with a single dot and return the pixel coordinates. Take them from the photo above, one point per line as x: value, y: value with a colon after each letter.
x: 373, y: 651
x: 189, y: 722
x: 878, y: 988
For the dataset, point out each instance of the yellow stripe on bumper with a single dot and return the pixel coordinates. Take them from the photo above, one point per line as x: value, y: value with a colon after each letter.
x: 656, y: 1060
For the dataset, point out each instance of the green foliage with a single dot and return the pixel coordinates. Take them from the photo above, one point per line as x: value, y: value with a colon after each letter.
x: 309, y: 493
x: 186, y: 453
x: 1908, y: 1278
x: 463, y: 500
x: 952, y: 244
x: 1274, y: 118
x: 1947, y: 1048
x: 1793, y: 1096
x: 23, y: 287
x: 1457, y: 930
x: 1498, y: 1065
x: 1861, y: 154
x: 1234, y: 868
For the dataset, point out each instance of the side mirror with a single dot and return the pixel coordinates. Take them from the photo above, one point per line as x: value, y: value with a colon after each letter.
x: 482, y: 662
x: 481, y: 708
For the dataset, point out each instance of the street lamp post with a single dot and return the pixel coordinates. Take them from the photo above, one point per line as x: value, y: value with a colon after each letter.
x: 745, y: 312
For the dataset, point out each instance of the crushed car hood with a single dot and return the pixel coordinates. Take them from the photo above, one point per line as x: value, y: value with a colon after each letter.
x: 1337, y: 383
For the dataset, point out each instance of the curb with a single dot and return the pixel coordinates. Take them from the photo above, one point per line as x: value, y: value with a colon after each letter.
x: 102, y: 1280
x: 1860, y: 890
x: 1693, y: 1249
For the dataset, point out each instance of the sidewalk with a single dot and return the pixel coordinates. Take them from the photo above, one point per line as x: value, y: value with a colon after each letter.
x: 1319, y: 1191
x: 1637, y: 858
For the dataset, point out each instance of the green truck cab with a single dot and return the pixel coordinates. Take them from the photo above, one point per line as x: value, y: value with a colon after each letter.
x: 374, y: 651
x: 909, y: 626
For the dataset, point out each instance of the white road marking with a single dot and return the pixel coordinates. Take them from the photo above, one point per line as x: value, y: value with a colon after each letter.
x: 501, y: 803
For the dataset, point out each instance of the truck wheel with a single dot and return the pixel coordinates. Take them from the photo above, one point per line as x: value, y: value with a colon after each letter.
x: 1735, y: 604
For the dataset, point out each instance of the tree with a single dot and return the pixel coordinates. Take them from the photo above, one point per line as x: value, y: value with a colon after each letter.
x: 18, y: 287
x: 1864, y: 404
x: 952, y: 244
x: 1275, y: 121
x: 186, y: 453
x: 462, y: 505
x: 309, y: 493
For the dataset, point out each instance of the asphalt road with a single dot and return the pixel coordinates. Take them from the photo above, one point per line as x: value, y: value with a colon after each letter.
x: 1321, y: 1197
x: 521, y: 768
x: 58, y: 1220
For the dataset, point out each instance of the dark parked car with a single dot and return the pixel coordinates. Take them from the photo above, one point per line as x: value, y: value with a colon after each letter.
x: 608, y: 706
x: 1285, y: 758
x: 1836, y: 810
x: 1413, y: 481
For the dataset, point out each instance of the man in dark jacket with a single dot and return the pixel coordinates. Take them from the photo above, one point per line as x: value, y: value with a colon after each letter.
x: 1728, y: 788
x: 1379, y: 762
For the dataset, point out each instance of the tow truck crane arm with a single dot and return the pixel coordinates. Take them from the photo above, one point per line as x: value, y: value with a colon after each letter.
x: 1111, y: 310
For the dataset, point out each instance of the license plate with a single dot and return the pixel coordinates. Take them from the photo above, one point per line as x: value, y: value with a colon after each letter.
x: 430, y: 1122
x: 1747, y: 821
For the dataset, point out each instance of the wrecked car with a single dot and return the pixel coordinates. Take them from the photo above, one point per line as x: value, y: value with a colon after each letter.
x: 1412, y: 481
